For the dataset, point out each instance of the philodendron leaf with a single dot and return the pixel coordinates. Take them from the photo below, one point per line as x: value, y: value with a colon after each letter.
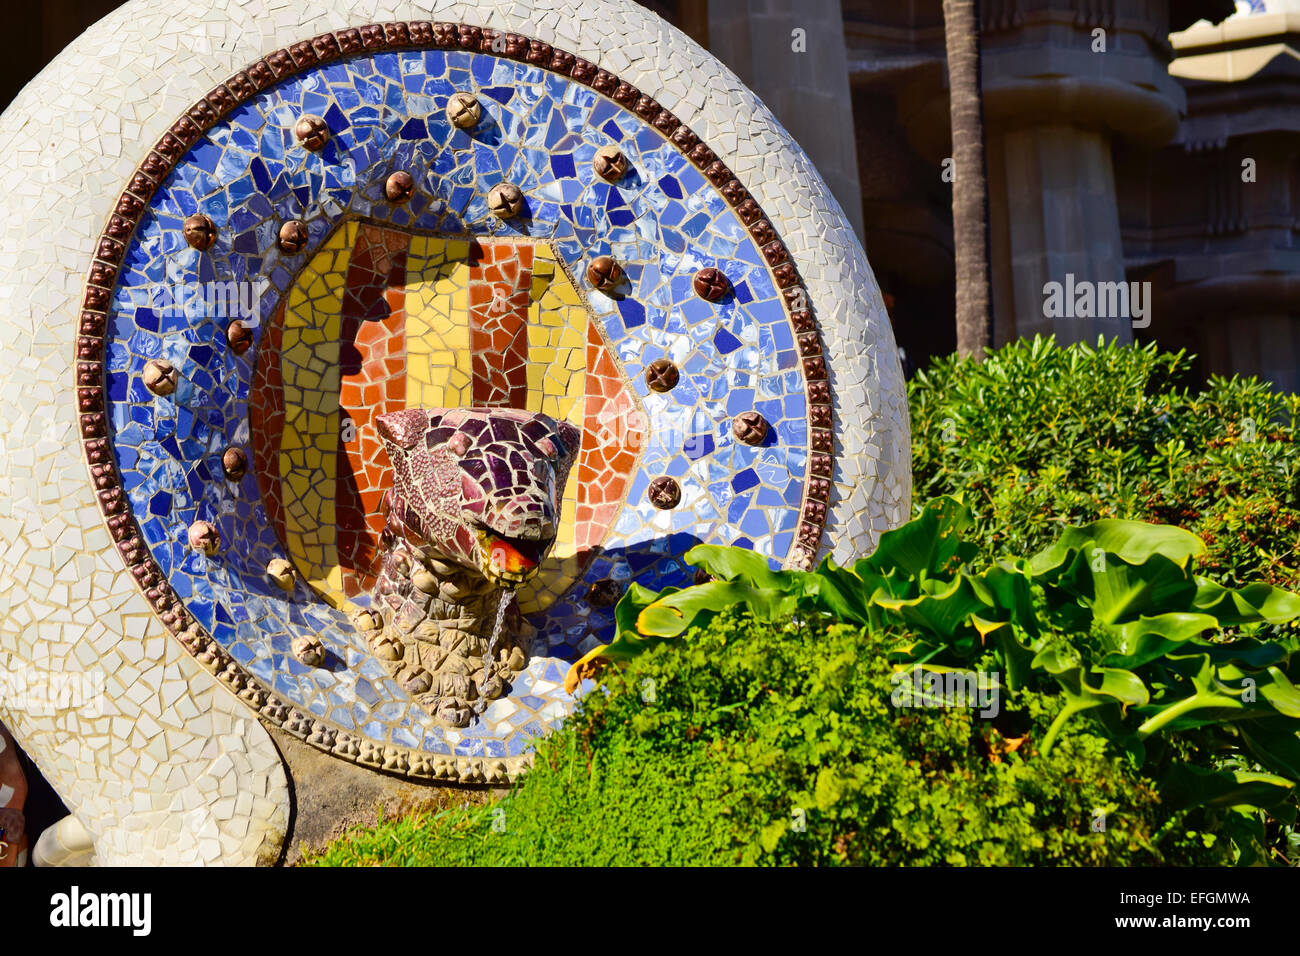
x: 671, y: 614
x: 1133, y: 542
x: 1010, y: 590
x: 1099, y: 687
x: 840, y: 592
x: 830, y: 588
x: 1213, y: 700
x: 928, y: 545
x: 1246, y: 652
x: 634, y: 600
x: 942, y: 614
x: 731, y: 564
x: 1115, y: 591
x: 1275, y: 745
x: 1247, y: 605
x: 1184, y: 786
x: 1138, y: 642
x: 1280, y: 692
x: 1123, y: 591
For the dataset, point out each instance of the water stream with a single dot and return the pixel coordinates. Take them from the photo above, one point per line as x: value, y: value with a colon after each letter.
x: 489, y: 656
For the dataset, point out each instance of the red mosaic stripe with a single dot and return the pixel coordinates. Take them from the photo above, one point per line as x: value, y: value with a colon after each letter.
x: 500, y: 279
x: 266, y: 421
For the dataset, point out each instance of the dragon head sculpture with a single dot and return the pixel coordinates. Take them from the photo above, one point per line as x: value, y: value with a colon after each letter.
x: 473, y: 511
x: 478, y: 487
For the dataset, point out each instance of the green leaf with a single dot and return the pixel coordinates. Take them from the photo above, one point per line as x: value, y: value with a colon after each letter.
x: 1276, y: 746
x: 942, y: 614
x: 1185, y: 786
x: 732, y: 564
x: 1280, y: 692
x: 1148, y: 638
x: 672, y: 614
x: 1247, y: 605
x: 927, y: 545
x: 1133, y: 542
x: 1111, y: 686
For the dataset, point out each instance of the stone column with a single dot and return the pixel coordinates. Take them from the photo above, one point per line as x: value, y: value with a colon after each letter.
x: 807, y: 89
x: 1054, y: 215
x: 1061, y: 82
x: 1221, y: 218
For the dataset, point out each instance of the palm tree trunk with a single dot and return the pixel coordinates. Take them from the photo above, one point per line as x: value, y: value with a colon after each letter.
x: 970, y: 195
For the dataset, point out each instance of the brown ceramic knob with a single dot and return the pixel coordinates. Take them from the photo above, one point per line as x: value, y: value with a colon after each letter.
x: 200, y: 231
x: 239, y: 337
x: 464, y: 110
x: 610, y: 163
x: 505, y: 200
x: 604, y: 593
x: 205, y: 537
x: 661, y: 375
x: 309, y: 650
x: 12, y: 827
x: 399, y: 187
x: 664, y: 493
x: 293, y: 237
x: 604, y: 273
x: 234, y: 464
x: 710, y: 284
x: 160, y: 376
x: 750, y: 427
x: 311, y: 132
x: 281, y: 572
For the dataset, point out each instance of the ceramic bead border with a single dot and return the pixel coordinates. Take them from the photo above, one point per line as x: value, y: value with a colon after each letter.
x: 215, y: 106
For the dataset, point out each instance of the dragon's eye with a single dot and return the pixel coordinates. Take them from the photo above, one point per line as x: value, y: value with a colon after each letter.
x: 547, y: 448
x: 458, y: 444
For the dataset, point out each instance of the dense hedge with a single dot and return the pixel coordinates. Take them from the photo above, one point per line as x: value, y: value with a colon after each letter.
x: 1039, y: 436
x: 745, y: 744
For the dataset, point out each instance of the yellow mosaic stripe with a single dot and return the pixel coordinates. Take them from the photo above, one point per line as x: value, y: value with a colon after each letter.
x: 438, y: 375
x: 557, y: 371
x: 309, y: 361
x: 438, y: 359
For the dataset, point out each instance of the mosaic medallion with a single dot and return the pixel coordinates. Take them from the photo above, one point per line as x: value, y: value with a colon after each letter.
x: 363, y: 309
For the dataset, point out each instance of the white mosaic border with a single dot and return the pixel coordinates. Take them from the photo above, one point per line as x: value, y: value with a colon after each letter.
x: 172, y: 769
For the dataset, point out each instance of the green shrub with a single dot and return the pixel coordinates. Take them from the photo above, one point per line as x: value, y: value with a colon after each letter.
x: 747, y: 743
x: 1037, y: 437
x: 756, y: 717
x: 1175, y: 670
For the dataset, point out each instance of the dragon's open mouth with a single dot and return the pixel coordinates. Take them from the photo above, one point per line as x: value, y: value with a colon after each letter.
x: 511, y: 561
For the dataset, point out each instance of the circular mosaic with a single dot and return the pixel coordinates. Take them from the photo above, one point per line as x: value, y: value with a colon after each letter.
x: 422, y: 218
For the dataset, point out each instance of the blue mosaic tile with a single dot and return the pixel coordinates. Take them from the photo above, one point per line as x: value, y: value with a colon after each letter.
x: 664, y: 222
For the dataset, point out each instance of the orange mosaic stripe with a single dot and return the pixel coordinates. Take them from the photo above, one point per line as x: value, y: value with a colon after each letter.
x: 613, y: 432
x: 372, y: 382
